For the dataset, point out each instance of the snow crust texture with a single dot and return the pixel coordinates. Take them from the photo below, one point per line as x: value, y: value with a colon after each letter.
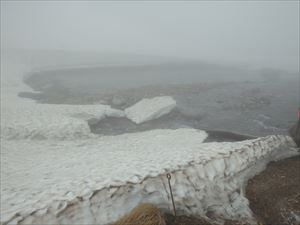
x: 149, y: 109
x: 48, y: 184
x: 32, y: 121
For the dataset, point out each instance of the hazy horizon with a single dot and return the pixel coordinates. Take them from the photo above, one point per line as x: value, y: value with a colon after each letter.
x: 262, y: 34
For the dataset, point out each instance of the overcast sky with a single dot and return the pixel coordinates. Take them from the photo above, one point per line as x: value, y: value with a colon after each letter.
x: 262, y: 33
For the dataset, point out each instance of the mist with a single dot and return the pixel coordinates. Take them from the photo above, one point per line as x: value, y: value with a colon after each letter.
x: 150, y: 112
x: 251, y: 33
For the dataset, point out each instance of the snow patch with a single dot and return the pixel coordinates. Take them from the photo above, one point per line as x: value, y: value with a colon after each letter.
x: 32, y: 121
x: 149, y: 109
x: 24, y: 119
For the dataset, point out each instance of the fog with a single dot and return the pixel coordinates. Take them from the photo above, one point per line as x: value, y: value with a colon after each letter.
x: 109, y: 104
x: 252, y: 33
x: 222, y: 61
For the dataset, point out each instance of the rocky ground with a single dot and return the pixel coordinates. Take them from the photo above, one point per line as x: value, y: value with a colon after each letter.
x: 188, y: 220
x: 274, y: 194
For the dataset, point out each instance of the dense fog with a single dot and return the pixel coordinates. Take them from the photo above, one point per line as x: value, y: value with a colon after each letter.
x: 263, y: 34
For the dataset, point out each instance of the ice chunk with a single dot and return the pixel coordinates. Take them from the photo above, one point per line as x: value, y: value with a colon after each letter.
x: 149, y: 109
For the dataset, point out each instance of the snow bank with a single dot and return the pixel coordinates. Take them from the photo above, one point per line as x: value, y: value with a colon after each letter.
x: 149, y: 109
x: 38, y: 175
x: 51, y: 121
x: 90, y: 181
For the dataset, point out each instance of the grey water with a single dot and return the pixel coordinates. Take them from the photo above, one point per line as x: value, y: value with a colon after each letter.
x: 255, y: 102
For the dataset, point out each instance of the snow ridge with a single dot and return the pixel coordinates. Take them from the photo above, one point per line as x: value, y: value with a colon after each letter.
x: 207, y: 178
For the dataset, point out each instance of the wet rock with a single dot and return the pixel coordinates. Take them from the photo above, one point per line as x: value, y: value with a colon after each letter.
x: 295, y: 133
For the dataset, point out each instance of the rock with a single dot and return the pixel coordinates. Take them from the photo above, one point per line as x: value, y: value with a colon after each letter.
x: 295, y: 133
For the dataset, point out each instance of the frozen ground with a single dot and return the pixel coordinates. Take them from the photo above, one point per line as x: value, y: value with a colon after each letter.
x: 54, y: 170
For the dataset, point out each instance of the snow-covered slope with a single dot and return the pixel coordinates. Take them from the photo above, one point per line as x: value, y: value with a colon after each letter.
x: 70, y: 176
x: 149, y: 109
x: 94, y: 181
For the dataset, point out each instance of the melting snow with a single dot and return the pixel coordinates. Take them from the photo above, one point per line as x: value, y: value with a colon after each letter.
x: 41, y: 179
x: 52, y: 121
x: 149, y: 109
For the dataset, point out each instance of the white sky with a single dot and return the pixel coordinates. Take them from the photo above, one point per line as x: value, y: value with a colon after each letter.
x: 262, y: 33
